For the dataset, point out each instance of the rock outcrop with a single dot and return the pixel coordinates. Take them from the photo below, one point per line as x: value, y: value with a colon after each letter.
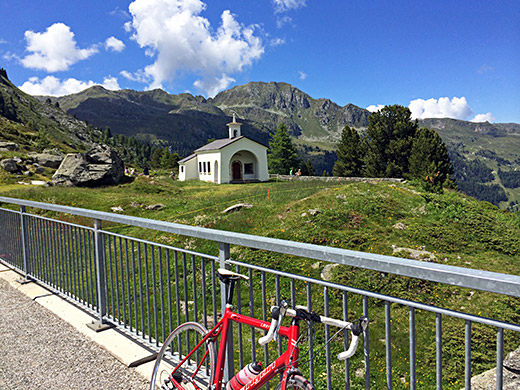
x: 511, y: 375
x: 99, y: 166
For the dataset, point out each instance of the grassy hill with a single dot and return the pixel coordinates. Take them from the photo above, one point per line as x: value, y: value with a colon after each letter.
x: 456, y: 229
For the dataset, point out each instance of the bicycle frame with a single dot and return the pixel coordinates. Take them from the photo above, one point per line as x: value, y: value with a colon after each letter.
x: 286, y: 361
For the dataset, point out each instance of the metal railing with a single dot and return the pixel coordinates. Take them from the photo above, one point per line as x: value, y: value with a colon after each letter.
x: 147, y: 289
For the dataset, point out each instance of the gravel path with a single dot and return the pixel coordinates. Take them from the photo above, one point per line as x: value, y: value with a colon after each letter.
x: 38, y: 350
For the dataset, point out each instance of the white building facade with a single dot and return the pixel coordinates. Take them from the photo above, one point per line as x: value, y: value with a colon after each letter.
x: 236, y: 159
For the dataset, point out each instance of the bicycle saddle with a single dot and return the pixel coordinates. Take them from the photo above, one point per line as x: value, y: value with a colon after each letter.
x: 226, y: 275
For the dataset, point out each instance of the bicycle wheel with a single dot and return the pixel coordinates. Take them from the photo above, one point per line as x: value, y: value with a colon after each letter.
x: 296, y: 382
x: 197, y: 371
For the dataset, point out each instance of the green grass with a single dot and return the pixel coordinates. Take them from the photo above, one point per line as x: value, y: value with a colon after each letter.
x: 457, y: 229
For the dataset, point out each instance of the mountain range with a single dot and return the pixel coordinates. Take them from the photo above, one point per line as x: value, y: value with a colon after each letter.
x: 183, y: 122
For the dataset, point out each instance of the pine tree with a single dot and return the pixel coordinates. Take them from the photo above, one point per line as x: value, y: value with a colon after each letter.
x: 390, y: 137
x: 282, y: 153
x: 429, y: 160
x: 350, y: 154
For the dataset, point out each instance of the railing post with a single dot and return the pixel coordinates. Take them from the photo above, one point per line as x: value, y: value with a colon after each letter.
x: 229, y: 369
x: 25, y: 247
x: 99, y: 245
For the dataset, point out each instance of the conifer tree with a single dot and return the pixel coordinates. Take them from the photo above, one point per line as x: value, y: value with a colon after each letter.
x: 282, y: 153
x: 350, y: 154
x: 390, y: 136
x: 429, y: 160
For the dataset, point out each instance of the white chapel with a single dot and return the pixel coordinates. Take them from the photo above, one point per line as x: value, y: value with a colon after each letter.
x: 236, y: 159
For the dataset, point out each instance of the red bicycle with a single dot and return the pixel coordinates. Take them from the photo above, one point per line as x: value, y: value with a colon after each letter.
x: 181, y: 366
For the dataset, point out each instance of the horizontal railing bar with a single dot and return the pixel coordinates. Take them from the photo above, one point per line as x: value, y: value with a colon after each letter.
x: 400, y: 301
x: 157, y: 244
x: 457, y: 276
x: 60, y: 221
x: 9, y: 210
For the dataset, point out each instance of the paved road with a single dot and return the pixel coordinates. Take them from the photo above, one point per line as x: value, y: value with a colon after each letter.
x: 38, y: 350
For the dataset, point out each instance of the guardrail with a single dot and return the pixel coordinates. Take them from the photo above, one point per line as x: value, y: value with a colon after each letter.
x: 147, y: 289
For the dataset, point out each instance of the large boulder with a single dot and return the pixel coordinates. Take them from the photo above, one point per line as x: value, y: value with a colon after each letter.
x: 511, y: 375
x: 10, y: 165
x: 99, y: 166
x: 48, y: 160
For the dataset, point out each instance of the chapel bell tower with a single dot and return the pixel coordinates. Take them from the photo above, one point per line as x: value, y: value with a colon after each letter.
x: 234, y: 128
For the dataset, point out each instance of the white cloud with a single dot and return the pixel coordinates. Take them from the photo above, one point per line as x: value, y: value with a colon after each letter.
x: 456, y: 108
x: 302, y: 74
x: 375, y: 108
x: 286, y: 5
x: 483, y: 118
x: 52, y: 86
x: 114, y: 44
x: 277, y: 42
x: 54, y: 50
x: 182, y: 41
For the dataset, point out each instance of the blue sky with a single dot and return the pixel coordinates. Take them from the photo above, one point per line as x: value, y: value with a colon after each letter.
x: 458, y: 59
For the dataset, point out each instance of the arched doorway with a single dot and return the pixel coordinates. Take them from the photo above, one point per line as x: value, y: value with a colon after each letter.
x: 236, y: 170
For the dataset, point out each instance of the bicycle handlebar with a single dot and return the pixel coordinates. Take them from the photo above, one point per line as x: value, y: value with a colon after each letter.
x: 278, y: 312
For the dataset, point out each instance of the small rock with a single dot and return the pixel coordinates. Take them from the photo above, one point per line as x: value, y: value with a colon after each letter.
x: 27, y: 173
x: 314, y: 212
x: 316, y: 265
x: 8, y: 146
x: 400, y: 226
x: 360, y: 372
x: 237, y: 207
x: 157, y: 206
x: 135, y: 204
x: 117, y: 209
x: 415, y: 254
x: 326, y: 273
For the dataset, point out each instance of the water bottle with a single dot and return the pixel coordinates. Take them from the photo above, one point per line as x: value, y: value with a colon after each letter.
x: 244, y: 376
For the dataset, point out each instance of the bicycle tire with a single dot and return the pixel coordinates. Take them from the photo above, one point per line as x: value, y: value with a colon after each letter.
x: 177, y: 345
x: 296, y: 382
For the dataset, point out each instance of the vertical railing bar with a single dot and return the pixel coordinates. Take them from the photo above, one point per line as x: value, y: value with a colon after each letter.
x: 413, y: 378
x: 239, y: 310
x: 438, y: 345
x: 92, y: 270
x: 223, y: 257
x: 204, y: 296
x: 467, y: 355
x: 346, y: 338
x: 65, y: 258
x: 278, y: 299
x: 69, y: 260
x: 161, y: 291
x: 25, y: 243
x: 128, y: 294
x: 116, y: 280
x: 214, y: 288
x: 154, y: 297
x: 252, y: 313
x: 388, y: 342
x: 99, y: 242
x: 123, y: 280
x: 46, y: 253
x: 264, y: 317
x: 141, y: 298
x: 168, y: 281
x: 293, y: 293
x: 147, y: 291
x: 310, y: 334
x: 185, y: 280
x: 327, y: 336
x: 59, y: 246
x: 366, y: 347
x: 194, y: 286
x: 500, y: 358
x: 110, y: 277
x: 84, y: 267
x: 134, y: 279
x: 177, y: 292
x: 75, y: 262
